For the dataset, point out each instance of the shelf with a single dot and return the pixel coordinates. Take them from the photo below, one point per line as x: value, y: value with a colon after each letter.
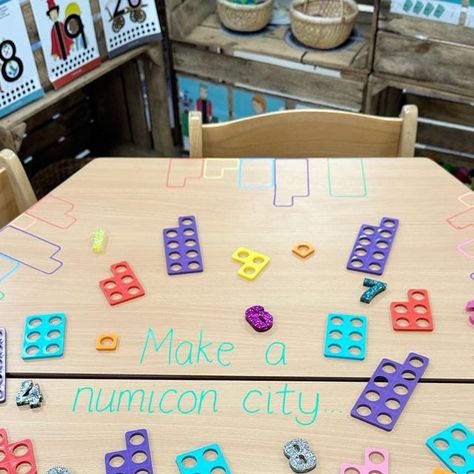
x: 53, y: 96
x: 276, y: 44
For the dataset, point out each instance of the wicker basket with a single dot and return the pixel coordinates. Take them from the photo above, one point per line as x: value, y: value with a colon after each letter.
x: 245, y: 18
x: 323, y: 24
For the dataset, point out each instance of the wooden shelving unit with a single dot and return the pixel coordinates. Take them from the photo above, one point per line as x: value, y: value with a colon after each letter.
x: 121, y: 104
x: 430, y: 64
x: 271, y: 59
x: 436, y: 55
x: 446, y: 120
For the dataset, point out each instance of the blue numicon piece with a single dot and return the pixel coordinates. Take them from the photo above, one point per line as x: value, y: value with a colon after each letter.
x: 182, y: 249
x: 346, y: 336
x: 455, y: 442
x: 204, y: 460
x: 372, y: 247
x: 44, y: 336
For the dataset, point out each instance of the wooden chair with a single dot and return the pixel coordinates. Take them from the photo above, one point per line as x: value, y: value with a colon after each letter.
x: 16, y: 193
x: 306, y: 133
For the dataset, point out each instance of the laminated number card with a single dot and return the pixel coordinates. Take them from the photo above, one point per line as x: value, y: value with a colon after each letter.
x: 129, y: 23
x: 470, y: 15
x: 445, y: 11
x: 67, y: 35
x: 19, y: 81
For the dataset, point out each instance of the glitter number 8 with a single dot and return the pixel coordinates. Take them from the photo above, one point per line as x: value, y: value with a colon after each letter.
x: 300, y: 456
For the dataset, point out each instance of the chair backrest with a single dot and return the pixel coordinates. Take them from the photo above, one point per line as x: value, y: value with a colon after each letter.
x: 306, y: 133
x: 16, y: 193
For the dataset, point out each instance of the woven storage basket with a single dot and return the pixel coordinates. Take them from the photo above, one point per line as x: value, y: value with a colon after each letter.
x: 245, y: 18
x: 323, y: 24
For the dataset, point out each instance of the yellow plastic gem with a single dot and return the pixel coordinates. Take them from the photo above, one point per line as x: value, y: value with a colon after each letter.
x: 253, y: 262
x: 98, y: 239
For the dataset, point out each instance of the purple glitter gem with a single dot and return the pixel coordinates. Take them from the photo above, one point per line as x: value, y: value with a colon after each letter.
x: 258, y: 318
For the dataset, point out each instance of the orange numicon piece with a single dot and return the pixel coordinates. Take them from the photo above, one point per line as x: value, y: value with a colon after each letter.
x: 303, y: 250
x: 106, y: 342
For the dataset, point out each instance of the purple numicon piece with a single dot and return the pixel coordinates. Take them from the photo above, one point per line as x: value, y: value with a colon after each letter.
x: 3, y: 365
x: 138, y: 445
x: 182, y: 249
x: 388, y: 391
x: 372, y: 247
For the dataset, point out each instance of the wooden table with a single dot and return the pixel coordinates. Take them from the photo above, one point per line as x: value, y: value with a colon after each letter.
x: 252, y: 443
x: 236, y: 204
x: 269, y: 206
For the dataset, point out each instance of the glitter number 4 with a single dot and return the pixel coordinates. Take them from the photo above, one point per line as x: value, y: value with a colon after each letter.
x: 300, y: 456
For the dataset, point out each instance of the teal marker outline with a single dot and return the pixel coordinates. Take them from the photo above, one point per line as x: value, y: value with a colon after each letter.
x: 364, y: 180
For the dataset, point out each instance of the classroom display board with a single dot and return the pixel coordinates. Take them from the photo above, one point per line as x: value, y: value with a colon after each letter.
x: 212, y: 100
x: 19, y: 80
x: 128, y: 24
x: 247, y: 103
x: 67, y: 35
x: 446, y: 11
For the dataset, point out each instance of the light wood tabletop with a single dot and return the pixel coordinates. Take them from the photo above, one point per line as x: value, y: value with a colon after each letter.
x: 265, y: 205
x: 68, y: 431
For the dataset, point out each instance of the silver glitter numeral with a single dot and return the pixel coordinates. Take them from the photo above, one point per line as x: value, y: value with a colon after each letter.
x: 29, y: 394
x: 300, y: 456
x: 59, y: 470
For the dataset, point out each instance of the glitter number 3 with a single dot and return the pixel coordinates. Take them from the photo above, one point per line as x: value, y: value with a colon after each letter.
x: 301, y: 458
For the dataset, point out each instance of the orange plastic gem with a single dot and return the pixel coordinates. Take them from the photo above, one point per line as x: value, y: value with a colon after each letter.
x: 303, y: 250
x: 438, y: 470
x: 107, y: 342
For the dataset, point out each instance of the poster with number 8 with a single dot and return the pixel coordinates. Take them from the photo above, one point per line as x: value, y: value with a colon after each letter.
x: 128, y: 24
x: 19, y: 81
x: 67, y: 35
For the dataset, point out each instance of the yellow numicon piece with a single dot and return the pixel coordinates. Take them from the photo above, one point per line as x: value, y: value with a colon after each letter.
x: 253, y: 262
x: 106, y: 342
x: 98, y: 239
